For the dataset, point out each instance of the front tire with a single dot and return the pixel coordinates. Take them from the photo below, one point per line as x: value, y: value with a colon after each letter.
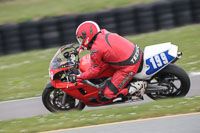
x: 175, y: 79
x: 52, y: 99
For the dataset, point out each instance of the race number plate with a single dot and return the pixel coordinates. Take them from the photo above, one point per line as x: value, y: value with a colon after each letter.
x: 157, y: 62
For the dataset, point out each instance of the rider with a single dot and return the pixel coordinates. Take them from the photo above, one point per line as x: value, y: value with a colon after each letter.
x: 122, y: 55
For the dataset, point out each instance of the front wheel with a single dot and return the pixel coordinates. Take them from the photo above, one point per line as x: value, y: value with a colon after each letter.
x: 56, y: 100
x: 174, y: 79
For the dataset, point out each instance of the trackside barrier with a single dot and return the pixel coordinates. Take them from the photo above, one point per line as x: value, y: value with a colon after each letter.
x: 55, y: 31
x: 29, y: 34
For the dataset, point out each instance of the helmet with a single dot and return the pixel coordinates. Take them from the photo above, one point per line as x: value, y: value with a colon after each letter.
x: 85, y: 32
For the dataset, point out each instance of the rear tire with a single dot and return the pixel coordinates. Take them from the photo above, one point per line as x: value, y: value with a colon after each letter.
x: 171, y: 75
x: 52, y: 100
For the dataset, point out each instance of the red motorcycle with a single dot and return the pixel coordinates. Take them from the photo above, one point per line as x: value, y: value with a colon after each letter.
x: 164, y: 78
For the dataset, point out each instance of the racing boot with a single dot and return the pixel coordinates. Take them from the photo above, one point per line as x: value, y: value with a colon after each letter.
x: 137, y: 89
x: 119, y: 98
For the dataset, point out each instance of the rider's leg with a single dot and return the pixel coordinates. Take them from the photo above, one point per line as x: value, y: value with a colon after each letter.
x: 116, y: 86
x: 119, y: 80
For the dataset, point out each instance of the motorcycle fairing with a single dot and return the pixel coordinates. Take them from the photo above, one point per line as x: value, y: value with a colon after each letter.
x: 80, y: 90
x: 157, y: 62
x: 156, y: 57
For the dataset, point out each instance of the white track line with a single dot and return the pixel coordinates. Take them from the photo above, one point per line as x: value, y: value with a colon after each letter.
x: 192, y: 74
x: 19, y: 100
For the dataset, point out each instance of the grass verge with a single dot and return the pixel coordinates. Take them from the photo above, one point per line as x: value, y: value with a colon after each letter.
x: 23, y: 10
x: 26, y: 74
x: 102, y: 116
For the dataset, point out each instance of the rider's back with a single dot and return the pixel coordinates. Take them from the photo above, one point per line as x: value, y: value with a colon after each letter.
x: 113, y: 48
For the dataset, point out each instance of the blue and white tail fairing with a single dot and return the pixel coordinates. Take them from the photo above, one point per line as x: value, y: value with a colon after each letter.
x: 156, y: 57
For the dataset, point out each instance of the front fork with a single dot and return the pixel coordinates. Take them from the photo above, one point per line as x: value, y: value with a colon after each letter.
x: 64, y: 98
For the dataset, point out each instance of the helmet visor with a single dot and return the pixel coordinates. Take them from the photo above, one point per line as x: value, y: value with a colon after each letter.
x: 80, y: 40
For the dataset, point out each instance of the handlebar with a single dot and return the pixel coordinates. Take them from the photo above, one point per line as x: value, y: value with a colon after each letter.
x: 68, y: 54
x: 99, y: 86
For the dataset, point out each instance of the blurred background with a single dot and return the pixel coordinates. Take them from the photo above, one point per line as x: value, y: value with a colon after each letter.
x: 30, y: 29
x: 38, y: 24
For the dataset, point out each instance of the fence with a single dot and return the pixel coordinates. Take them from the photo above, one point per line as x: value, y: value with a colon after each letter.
x: 60, y: 30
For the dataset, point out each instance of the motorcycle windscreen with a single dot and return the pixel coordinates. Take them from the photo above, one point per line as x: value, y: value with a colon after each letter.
x: 85, y: 64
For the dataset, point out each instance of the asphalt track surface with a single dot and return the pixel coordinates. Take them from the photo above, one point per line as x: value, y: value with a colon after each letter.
x: 33, y: 106
x: 185, y: 123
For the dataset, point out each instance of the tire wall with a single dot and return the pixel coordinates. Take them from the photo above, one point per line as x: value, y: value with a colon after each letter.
x: 60, y: 30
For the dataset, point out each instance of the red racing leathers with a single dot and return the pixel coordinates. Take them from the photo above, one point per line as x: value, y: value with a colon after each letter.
x: 122, y: 55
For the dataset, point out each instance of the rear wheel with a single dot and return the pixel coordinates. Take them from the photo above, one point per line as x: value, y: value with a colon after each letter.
x: 174, y: 79
x: 56, y: 100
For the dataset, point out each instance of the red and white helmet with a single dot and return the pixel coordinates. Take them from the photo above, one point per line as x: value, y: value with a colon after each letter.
x: 85, y: 32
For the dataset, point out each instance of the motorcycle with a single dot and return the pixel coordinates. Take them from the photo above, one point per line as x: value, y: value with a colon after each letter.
x: 164, y: 78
